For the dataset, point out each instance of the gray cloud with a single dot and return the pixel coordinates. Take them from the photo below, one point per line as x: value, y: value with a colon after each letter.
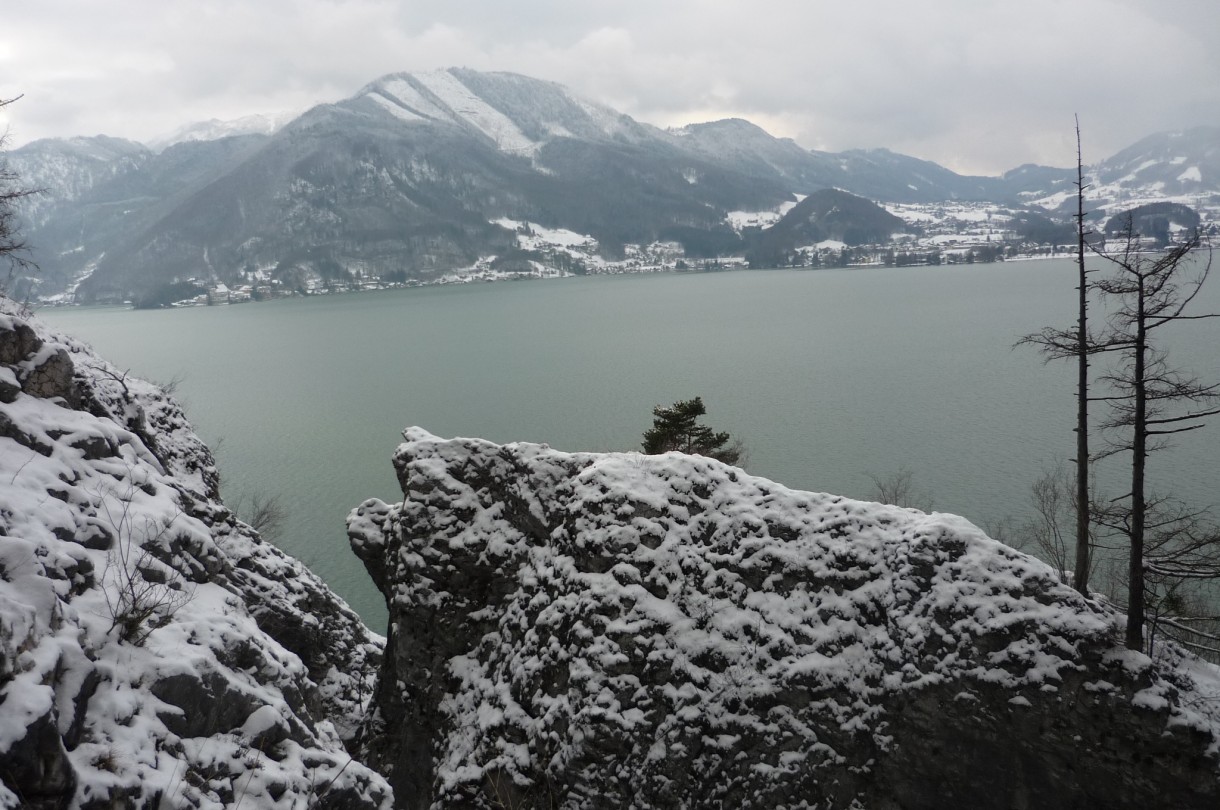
x: 977, y: 85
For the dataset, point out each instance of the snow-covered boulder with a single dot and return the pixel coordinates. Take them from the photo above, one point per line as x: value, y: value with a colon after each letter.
x: 618, y: 630
x: 154, y: 650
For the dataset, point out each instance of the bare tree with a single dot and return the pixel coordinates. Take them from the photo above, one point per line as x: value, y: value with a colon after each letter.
x: 141, y: 593
x: 13, y: 248
x: 1149, y: 400
x: 1064, y: 343
x: 898, y: 488
x: 1053, y: 497
x: 1048, y: 531
x: 1181, y: 559
x: 266, y: 514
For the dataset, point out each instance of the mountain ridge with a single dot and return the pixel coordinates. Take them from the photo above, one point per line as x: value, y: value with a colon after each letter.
x: 409, y: 175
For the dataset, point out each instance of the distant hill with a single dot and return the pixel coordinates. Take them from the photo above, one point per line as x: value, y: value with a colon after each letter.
x: 826, y: 215
x: 1154, y: 220
x: 104, y: 195
x: 69, y: 168
x: 1031, y: 178
x: 874, y: 173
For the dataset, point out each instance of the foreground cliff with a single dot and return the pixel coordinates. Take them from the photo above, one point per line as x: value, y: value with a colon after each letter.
x: 582, y: 631
x: 154, y: 651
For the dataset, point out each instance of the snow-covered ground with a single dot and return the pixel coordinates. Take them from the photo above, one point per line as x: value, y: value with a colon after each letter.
x: 716, y: 631
x: 154, y: 650
x: 740, y: 220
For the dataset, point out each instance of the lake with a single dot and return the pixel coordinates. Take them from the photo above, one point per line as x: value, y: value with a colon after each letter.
x: 828, y: 376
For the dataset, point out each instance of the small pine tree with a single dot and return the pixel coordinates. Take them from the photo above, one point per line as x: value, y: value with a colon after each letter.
x: 677, y: 428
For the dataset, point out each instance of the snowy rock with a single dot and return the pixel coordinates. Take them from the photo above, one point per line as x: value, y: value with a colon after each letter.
x: 154, y: 650
x: 618, y: 630
x: 265, y: 728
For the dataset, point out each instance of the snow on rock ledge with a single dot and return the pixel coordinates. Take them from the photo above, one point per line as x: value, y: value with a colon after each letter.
x: 154, y: 650
x: 618, y: 630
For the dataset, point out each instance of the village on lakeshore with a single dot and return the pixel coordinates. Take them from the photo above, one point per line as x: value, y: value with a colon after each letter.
x: 951, y: 233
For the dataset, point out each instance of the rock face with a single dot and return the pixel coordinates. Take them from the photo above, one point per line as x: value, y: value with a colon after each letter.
x: 580, y: 631
x: 154, y: 650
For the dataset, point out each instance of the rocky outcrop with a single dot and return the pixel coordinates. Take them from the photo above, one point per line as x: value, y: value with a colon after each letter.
x: 618, y: 630
x: 154, y: 650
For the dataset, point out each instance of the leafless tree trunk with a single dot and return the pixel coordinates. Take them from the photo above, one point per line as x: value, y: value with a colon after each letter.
x: 1151, y: 400
x: 1077, y: 343
x: 1080, y: 577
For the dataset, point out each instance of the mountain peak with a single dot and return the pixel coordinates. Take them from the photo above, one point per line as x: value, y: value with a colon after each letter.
x: 214, y: 129
x: 739, y: 125
x: 517, y: 113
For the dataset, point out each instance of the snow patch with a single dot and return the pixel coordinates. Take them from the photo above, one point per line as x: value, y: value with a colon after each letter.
x: 1191, y: 175
x: 406, y: 93
x: 397, y: 110
x: 469, y: 107
x: 531, y: 235
x: 739, y: 220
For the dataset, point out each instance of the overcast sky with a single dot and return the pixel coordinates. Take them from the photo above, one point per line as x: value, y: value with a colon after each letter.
x: 979, y: 86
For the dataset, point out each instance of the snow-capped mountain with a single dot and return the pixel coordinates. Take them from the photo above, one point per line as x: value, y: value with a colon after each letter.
x: 1169, y: 163
x: 408, y: 174
x: 215, y: 129
x: 1182, y: 167
x: 519, y: 115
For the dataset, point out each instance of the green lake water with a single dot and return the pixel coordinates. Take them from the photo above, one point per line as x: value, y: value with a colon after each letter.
x: 828, y: 376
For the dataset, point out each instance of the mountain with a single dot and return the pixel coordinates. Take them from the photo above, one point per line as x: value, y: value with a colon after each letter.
x: 1167, y: 163
x: 626, y: 630
x: 1033, y: 179
x: 103, y: 193
x: 1181, y: 167
x: 876, y: 173
x: 68, y: 169
x: 417, y: 173
x: 407, y: 174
